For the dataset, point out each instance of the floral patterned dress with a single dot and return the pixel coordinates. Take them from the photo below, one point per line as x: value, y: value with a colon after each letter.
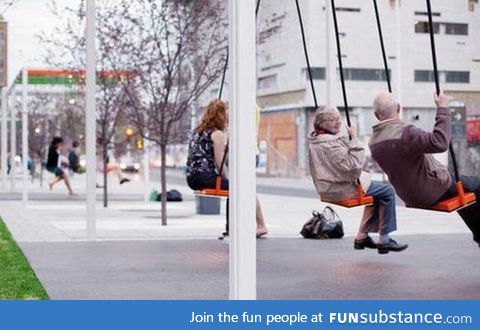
x: 201, y: 160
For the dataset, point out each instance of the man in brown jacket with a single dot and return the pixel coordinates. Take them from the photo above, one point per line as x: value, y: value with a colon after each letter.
x: 404, y: 152
x: 336, y: 162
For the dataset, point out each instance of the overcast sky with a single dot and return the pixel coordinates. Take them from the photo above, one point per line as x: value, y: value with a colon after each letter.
x: 26, y: 18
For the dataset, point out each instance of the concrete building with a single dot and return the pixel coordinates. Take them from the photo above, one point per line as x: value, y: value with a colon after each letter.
x: 284, y: 91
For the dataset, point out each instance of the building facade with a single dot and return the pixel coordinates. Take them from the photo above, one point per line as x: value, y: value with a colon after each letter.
x: 284, y: 91
x: 3, y: 52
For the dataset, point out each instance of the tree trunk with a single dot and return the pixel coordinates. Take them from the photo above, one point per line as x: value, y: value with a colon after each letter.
x: 41, y: 171
x: 105, y: 174
x: 163, y: 176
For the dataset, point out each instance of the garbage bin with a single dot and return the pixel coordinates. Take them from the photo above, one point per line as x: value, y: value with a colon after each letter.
x: 208, y: 205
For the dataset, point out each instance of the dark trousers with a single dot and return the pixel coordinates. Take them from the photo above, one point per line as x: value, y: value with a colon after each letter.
x: 380, y: 217
x: 202, y: 181
x: 470, y: 214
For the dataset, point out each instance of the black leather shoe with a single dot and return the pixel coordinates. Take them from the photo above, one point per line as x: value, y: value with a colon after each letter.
x: 392, y: 245
x: 367, y: 242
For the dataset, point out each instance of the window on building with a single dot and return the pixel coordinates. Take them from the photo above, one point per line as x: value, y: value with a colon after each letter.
x: 347, y: 9
x: 449, y: 28
x: 444, y: 76
x: 424, y: 13
x: 267, y: 81
x: 422, y: 27
x: 457, y: 77
x: 424, y: 75
x: 274, y: 66
x: 365, y: 74
x: 456, y: 28
x: 317, y: 73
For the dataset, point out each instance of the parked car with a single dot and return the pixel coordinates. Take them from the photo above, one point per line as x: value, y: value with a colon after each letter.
x: 130, y: 167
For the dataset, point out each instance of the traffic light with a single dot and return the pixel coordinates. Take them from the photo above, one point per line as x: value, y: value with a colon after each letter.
x: 129, y: 132
x: 140, y: 144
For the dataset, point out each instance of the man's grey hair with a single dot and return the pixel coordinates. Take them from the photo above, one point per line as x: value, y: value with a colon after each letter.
x: 385, y: 105
x: 324, y: 114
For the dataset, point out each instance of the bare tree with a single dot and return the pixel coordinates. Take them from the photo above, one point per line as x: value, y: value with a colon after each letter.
x: 178, y: 50
x: 46, y: 110
x: 66, y: 48
x: 42, y: 125
x: 165, y: 55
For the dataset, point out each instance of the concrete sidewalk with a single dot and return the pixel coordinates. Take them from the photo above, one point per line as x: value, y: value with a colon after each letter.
x: 63, y: 219
x: 137, y: 258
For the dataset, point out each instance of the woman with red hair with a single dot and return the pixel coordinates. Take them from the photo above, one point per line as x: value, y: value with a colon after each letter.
x: 206, y: 151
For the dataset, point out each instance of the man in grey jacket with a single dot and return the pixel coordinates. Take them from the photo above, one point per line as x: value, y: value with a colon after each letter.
x: 404, y: 152
x: 336, y: 162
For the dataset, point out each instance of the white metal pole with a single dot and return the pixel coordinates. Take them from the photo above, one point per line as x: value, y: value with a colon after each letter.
x: 90, y: 121
x: 330, y: 74
x: 24, y: 136
x: 13, y: 140
x: 193, y: 119
x: 59, y: 127
x: 242, y: 150
x: 3, y: 162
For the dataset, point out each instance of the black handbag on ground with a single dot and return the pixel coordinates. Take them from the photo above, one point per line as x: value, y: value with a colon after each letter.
x: 323, y: 225
x: 172, y: 196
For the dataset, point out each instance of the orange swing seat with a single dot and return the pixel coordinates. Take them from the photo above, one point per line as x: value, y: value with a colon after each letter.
x: 216, y: 192
x: 452, y: 204
x: 361, y: 200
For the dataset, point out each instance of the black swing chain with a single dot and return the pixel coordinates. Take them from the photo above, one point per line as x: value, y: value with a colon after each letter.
x: 437, y: 82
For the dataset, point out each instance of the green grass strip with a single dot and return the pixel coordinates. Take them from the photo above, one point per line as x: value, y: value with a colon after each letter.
x: 17, y: 279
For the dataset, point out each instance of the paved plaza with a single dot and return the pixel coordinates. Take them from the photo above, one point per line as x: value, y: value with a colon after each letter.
x: 135, y: 257
x: 434, y: 267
